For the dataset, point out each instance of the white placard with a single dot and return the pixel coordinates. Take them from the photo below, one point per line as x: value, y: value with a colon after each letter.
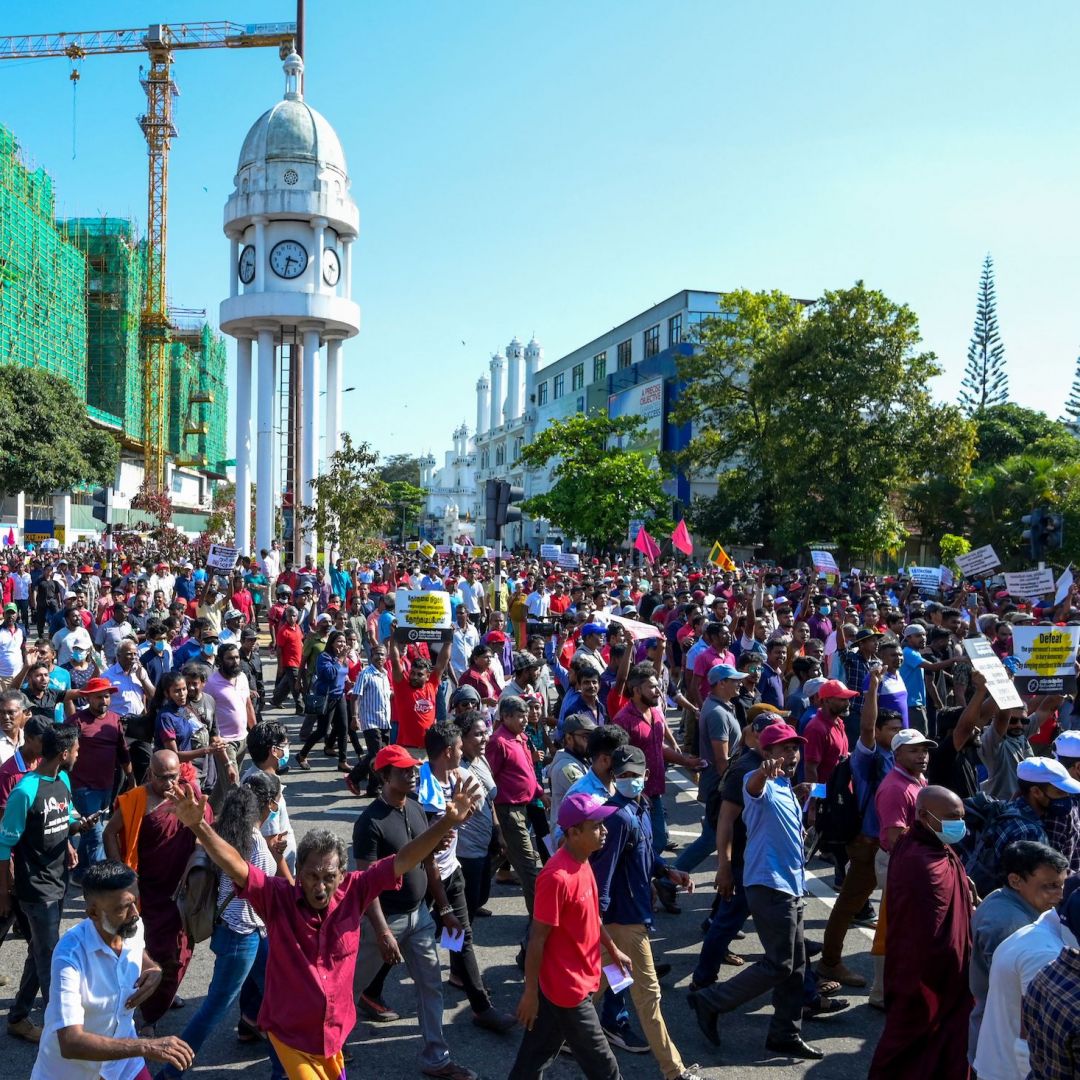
x: 998, y: 682
x: 824, y: 561
x: 221, y: 557
x: 925, y: 577
x: 947, y: 579
x: 1029, y: 583
x: 1064, y: 584
x: 423, y: 615
x: 550, y: 551
x: 979, y: 562
x: 569, y: 560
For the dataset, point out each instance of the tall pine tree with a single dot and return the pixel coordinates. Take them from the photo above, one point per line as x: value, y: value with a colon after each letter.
x: 1072, y: 406
x: 986, y: 382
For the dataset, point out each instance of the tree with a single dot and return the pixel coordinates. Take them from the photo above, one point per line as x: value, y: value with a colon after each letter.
x: 401, y: 467
x: 406, y: 503
x: 597, y: 487
x: 816, y: 421
x: 1072, y: 406
x: 1003, y: 431
x: 46, y: 441
x: 349, y: 502
x: 985, y: 382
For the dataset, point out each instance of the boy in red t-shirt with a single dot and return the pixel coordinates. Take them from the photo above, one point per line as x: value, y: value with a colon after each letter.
x: 562, y: 963
x: 412, y: 705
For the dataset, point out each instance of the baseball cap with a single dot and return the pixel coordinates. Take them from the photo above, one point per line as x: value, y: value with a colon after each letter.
x: 778, y: 733
x: 465, y: 693
x: 231, y: 614
x: 1044, y: 770
x: 813, y: 686
x: 394, y: 755
x: 578, y: 722
x: 581, y: 807
x: 910, y: 736
x: 11, y: 607
x: 629, y: 759
x: 914, y: 628
x: 593, y: 628
x: 725, y: 671
x: 763, y: 707
x: 249, y: 633
x: 834, y: 688
x: 496, y: 637
x: 1067, y: 744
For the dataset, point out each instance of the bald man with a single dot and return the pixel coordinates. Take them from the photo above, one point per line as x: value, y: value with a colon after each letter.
x: 929, y: 900
x: 145, y: 834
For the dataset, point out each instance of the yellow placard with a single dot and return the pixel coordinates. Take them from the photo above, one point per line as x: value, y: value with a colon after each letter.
x: 61, y: 534
x: 427, y: 610
x: 427, y: 550
x: 412, y: 545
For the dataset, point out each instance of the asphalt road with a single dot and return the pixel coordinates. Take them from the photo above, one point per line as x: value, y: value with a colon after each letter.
x: 320, y: 797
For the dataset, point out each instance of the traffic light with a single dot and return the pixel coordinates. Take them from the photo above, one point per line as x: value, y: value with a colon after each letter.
x: 100, y: 507
x: 491, y: 508
x: 1044, y: 531
x: 507, y: 511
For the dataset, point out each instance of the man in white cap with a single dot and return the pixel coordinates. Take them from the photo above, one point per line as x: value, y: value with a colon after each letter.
x: 912, y: 670
x: 1062, y: 820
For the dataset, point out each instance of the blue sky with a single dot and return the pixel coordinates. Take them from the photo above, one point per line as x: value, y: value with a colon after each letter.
x: 556, y: 168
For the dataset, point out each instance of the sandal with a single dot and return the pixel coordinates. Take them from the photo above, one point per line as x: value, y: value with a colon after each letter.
x: 733, y: 961
x: 247, y: 1032
x: 827, y: 986
x: 823, y: 1007
x: 301, y: 763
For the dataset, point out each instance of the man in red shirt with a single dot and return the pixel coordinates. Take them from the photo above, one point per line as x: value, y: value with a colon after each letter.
x: 412, y: 707
x: 307, y: 1009
x: 562, y: 963
x: 289, y: 643
x: 826, y: 736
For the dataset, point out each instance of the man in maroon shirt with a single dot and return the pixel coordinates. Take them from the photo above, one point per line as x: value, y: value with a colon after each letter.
x: 826, y: 736
x: 307, y: 1007
x: 102, y: 748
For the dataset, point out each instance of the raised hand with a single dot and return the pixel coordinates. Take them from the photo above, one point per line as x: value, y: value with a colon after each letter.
x: 187, y: 808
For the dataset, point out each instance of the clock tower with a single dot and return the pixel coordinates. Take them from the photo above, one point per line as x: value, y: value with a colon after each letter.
x: 291, y: 223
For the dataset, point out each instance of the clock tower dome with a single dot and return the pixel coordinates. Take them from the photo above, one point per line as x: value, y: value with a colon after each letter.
x: 291, y: 223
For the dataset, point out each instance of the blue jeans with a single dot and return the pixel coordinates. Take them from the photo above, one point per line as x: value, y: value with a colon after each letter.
x: 235, y: 956
x: 44, y: 922
x: 659, y: 823
x: 89, y: 801
x: 695, y: 853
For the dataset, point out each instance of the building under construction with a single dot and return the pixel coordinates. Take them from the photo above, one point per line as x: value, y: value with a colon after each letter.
x: 71, y: 297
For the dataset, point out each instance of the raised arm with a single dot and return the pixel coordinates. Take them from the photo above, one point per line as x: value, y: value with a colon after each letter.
x: 191, y: 812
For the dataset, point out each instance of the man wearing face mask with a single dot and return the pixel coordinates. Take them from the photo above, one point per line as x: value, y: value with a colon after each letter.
x: 202, y: 645
x: 570, y: 762
x: 71, y: 638
x: 929, y: 902
x: 102, y: 973
x: 774, y: 879
x: 625, y: 868
x: 820, y: 623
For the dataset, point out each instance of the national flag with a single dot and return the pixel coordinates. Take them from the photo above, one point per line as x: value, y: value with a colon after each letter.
x: 647, y: 545
x: 680, y: 539
x: 719, y: 557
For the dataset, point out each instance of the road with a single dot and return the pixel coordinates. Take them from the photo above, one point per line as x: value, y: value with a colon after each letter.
x: 320, y: 798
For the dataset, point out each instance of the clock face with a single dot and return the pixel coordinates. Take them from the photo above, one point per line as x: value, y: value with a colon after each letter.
x: 288, y: 259
x: 331, y: 266
x: 246, y: 265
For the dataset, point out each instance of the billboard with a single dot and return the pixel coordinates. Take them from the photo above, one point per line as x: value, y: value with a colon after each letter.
x: 645, y: 400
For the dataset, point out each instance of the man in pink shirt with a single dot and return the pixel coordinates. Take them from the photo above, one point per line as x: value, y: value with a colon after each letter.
x: 894, y: 802
x: 826, y: 736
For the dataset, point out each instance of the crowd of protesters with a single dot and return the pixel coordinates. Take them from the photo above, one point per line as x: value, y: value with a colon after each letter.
x: 831, y: 718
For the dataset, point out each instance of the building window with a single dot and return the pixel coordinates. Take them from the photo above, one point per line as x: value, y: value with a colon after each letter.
x: 558, y: 386
x: 500, y: 456
x: 624, y: 352
x: 652, y: 341
x: 599, y: 367
x: 519, y: 443
x: 577, y: 377
x: 674, y: 330
x: 541, y: 394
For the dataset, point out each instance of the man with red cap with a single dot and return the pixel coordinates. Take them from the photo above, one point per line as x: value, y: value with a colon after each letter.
x: 774, y: 879
x: 826, y: 736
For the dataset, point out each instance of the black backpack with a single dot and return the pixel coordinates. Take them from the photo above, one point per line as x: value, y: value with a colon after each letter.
x: 840, y: 814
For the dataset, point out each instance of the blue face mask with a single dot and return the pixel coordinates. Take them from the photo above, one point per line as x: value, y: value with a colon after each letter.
x: 78, y: 655
x: 824, y: 609
x: 209, y: 648
x: 159, y: 646
x: 273, y: 822
x: 952, y: 831
x: 283, y: 761
x: 630, y: 787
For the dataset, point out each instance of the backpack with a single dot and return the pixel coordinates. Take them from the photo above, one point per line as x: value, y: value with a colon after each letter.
x: 196, y: 896
x: 983, y: 815
x: 839, y: 814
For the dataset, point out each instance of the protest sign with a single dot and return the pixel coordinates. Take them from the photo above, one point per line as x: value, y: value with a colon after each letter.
x: 947, y: 579
x: 639, y: 631
x: 221, y: 557
x: 925, y: 577
x: 412, y: 545
x: 998, y: 684
x: 457, y: 549
x: 423, y: 616
x: 1029, y: 583
x: 979, y: 562
x: 569, y: 560
x: 479, y: 552
x: 1064, y: 585
x: 550, y: 551
x: 1047, y: 656
x: 442, y: 549
x: 426, y: 549
x: 824, y: 562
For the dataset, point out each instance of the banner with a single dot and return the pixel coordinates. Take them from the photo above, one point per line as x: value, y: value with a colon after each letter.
x: 1030, y: 583
x: 550, y: 551
x: 979, y: 562
x: 925, y: 577
x: 412, y: 545
x: 569, y: 560
x: 1047, y: 656
x: 824, y: 562
x: 639, y: 631
x: 479, y: 552
x: 221, y: 557
x: 998, y: 684
x: 426, y: 549
x: 423, y: 616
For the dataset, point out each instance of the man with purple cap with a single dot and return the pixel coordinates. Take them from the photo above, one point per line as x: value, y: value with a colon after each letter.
x: 562, y: 963
x: 774, y: 879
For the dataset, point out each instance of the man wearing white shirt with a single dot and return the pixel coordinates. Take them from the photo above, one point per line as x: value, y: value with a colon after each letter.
x: 14, y: 712
x: 20, y: 592
x: 466, y: 638
x: 100, y: 974
x: 12, y: 639
x: 1002, y: 1054
x: 472, y: 595
x: 538, y: 603
x: 133, y: 687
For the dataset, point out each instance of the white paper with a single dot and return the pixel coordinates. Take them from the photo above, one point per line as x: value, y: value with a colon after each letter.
x: 925, y: 577
x: 1064, y: 584
x: 453, y: 942
x: 998, y: 682
x: 1030, y: 583
x: 617, y: 978
x: 979, y: 562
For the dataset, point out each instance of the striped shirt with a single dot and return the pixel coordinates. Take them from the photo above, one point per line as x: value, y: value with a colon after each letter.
x: 372, y: 692
x: 239, y: 916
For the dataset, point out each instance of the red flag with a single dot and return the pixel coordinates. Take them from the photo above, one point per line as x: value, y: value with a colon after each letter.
x: 647, y: 545
x: 680, y: 539
x: 9, y: 540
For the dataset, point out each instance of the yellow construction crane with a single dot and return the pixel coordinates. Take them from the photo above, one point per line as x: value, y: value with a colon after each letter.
x: 159, y: 41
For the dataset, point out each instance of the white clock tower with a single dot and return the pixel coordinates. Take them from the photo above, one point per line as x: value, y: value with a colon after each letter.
x: 291, y: 223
